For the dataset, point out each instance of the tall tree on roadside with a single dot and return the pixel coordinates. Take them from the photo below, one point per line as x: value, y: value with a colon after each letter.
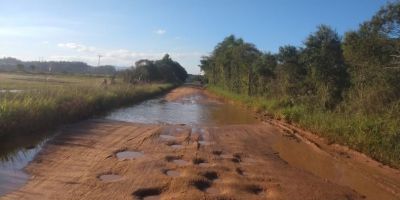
x: 263, y: 69
x: 373, y: 57
x: 290, y: 71
x: 326, y: 73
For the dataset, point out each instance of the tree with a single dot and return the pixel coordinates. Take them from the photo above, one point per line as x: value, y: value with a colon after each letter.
x: 164, y: 70
x: 326, y: 73
x: 290, y: 71
x: 264, y: 67
x: 232, y: 65
x: 372, y: 54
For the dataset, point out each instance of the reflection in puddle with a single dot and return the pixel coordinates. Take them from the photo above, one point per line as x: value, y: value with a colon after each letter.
x: 196, y: 109
x: 15, y: 154
x: 129, y: 155
x: 110, y: 177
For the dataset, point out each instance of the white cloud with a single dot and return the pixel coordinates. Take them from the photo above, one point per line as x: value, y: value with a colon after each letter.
x: 160, y: 31
x: 78, y: 47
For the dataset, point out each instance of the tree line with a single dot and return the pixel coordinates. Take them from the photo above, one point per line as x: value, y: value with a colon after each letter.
x: 163, y: 70
x: 359, y: 72
x: 62, y: 67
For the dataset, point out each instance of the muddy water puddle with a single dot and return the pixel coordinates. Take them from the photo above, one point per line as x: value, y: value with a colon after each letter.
x: 167, y: 137
x: 153, y: 197
x: 177, y: 146
x: 110, y: 177
x: 172, y: 173
x: 15, y: 153
x: 338, y: 169
x: 129, y: 155
x: 193, y: 110
x: 180, y: 162
x: 204, y: 142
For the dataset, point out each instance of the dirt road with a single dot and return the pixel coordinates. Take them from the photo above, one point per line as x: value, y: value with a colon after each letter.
x: 103, y: 159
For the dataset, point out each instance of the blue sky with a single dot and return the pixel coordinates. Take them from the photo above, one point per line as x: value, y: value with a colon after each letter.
x: 124, y: 31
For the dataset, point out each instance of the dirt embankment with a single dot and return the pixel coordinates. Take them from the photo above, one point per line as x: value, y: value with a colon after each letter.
x: 170, y: 162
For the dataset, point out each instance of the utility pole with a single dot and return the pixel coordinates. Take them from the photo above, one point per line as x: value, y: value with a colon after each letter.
x: 98, y: 63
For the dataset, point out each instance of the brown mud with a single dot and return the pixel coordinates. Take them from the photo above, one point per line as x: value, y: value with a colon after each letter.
x: 228, y: 161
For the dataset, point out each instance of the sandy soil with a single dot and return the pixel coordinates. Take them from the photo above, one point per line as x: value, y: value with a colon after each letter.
x: 178, y: 162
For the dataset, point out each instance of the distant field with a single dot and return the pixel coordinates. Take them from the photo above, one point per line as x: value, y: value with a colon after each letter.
x: 30, y: 103
x: 31, y: 81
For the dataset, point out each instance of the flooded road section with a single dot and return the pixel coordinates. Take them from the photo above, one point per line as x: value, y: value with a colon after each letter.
x: 196, y: 109
x: 211, y: 135
x: 15, y: 153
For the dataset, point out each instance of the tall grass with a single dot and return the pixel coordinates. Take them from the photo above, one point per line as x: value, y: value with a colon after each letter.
x: 45, y: 104
x: 377, y: 135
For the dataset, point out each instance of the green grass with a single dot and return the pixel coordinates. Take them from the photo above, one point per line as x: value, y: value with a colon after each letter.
x: 377, y: 135
x: 48, y: 101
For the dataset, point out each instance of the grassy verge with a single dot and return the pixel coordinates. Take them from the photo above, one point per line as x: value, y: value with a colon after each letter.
x: 40, y: 102
x: 376, y: 135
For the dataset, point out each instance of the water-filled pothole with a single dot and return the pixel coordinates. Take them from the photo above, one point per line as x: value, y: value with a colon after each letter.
x: 129, y: 155
x: 172, y: 173
x: 153, y: 197
x: 226, y: 156
x: 217, y: 152
x: 210, y: 175
x: 255, y: 189
x: 167, y: 137
x: 204, y: 164
x: 203, y: 142
x: 201, y: 184
x: 110, y: 177
x: 176, y: 146
x: 180, y: 162
x: 148, y: 193
x: 198, y: 161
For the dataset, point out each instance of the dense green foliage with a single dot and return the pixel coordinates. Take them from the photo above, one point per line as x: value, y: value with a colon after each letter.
x: 165, y: 70
x: 38, y: 102
x: 347, y: 89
